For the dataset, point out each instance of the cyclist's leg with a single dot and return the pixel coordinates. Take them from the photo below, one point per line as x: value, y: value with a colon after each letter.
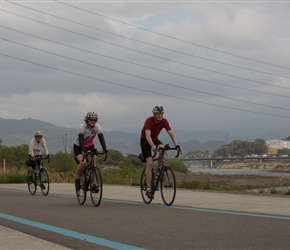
x: 80, y: 167
x: 32, y: 166
x: 159, y: 143
x: 143, y: 186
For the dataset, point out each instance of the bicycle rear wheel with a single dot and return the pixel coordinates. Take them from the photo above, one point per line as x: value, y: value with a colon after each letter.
x: 168, y: 186
x: 96, y: 187
x: 82, y: 193
x: 44, y: 181
x: 31, y: 184
x: 143, y: 186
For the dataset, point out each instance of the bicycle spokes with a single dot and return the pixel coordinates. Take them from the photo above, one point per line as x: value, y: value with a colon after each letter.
x: 96, y: 187
x: 168, y: 186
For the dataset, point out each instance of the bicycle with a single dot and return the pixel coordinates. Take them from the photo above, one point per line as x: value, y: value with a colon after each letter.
x: 91, y: 176
x: 163, y: 178
x: 39, y: 177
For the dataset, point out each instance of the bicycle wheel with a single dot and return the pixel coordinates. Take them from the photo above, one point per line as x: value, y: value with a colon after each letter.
x: 168, y: 186
x: 143, y: 186
x: 31, y: 184
x: 96, y: 187
x: 44, y: 181
x: 82, y: 193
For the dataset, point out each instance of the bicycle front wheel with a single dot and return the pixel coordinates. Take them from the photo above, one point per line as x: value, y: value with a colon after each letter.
x: 143, y: 187
x: 82, y: 193
x: 44, y: 181
x: 31, y: 183
x: 168, y: 186
x: 96, y: 187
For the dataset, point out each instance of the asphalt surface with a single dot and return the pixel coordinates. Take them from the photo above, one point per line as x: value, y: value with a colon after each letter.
x: 251, y: 203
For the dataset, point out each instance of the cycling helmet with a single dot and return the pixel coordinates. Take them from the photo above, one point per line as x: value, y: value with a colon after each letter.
x: 158, y: 109
x: 38, y: 133
x: 90, y: 115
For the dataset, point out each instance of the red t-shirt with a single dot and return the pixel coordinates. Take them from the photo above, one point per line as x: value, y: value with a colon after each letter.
x: 154, y: 128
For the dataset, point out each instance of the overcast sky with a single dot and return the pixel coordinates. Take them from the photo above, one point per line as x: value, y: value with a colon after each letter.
x: 212, y: 65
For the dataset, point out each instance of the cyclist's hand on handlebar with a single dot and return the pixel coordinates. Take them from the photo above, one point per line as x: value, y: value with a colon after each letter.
x: 106, y: 152
x: 83, y: 154
x: 48, y: 158
x: 154, y: 148
x: 178, y: 148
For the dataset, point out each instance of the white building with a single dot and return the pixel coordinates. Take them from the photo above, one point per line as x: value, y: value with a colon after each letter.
x: 279, y: 144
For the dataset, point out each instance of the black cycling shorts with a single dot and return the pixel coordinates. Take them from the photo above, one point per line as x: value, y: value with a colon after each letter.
x: 146, y: 148
x: 78, y: 151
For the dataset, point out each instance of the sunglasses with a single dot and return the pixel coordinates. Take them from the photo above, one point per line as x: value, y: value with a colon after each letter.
x: 93, y: 120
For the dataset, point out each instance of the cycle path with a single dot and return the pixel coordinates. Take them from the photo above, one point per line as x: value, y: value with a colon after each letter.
x: 249, y: 203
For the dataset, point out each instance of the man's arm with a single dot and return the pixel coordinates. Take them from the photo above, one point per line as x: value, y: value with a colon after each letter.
x: 172, y: 136
x: 149, y: 140
x: 30, y: 150
x: 45, y: 147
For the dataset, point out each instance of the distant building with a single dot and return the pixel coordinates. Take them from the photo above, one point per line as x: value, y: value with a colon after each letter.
x: 278, y: 144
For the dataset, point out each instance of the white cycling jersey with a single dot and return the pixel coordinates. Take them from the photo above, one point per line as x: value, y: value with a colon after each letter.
x: 37, y: 148
x: 89, y: 134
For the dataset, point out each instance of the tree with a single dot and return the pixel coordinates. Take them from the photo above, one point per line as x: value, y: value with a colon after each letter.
x: 242, y: 148
x: 177, y: 165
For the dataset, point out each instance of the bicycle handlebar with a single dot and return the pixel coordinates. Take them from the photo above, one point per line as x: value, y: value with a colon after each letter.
x: 39, y: 157
x: 92, y: 153
x: 167, y: 147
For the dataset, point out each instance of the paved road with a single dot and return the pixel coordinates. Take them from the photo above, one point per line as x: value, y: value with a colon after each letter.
x: 197, y: 220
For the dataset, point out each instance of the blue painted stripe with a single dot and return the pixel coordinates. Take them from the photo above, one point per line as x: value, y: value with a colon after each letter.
x: 69, y: 233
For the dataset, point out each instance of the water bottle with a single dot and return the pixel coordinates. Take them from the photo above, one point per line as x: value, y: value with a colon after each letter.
x: 87, y: 174
x: 156, y: 174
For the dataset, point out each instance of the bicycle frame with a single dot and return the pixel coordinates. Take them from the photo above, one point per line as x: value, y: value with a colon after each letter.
x: 165, y: 180
x: 91, y: 180
x: 41, y: 177
x: 164, y: 157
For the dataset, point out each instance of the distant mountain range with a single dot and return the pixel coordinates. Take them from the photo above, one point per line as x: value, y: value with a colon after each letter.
x: 16, y: 132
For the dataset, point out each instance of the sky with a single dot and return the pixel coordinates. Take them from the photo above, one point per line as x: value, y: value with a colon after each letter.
x: 213, y: 65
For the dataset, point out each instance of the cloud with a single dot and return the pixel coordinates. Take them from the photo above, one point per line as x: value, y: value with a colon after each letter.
x: 211, y: 65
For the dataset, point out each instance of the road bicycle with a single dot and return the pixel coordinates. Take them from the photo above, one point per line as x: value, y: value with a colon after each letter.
x: 91, y: 180
x: 163, y: 179
x: 39, y: 177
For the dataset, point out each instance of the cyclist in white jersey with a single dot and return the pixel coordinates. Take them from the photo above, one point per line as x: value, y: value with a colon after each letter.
x: 36, y: 147
x: 85, y: 140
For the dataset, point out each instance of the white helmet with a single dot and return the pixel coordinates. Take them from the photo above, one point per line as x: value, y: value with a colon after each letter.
x: 90, y: 115
x: 38, y: 133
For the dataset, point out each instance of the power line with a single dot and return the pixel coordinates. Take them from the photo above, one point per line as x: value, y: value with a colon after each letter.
x: 145, y: 66
x: 150, y: 44
x: 146, y: 78
x: 174, y: 38
x: 145, y: 53
x: 143, y: 90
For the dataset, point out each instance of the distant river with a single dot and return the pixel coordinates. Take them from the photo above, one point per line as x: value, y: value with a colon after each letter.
x: 238, y: 171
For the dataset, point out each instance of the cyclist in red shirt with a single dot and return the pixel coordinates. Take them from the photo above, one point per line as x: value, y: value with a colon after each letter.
x: 149, y: 141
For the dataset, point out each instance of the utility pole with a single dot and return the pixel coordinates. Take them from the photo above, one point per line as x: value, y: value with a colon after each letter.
x: 64, y: 142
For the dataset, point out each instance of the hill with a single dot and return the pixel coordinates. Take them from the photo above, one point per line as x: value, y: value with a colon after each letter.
x: 16, y: 132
